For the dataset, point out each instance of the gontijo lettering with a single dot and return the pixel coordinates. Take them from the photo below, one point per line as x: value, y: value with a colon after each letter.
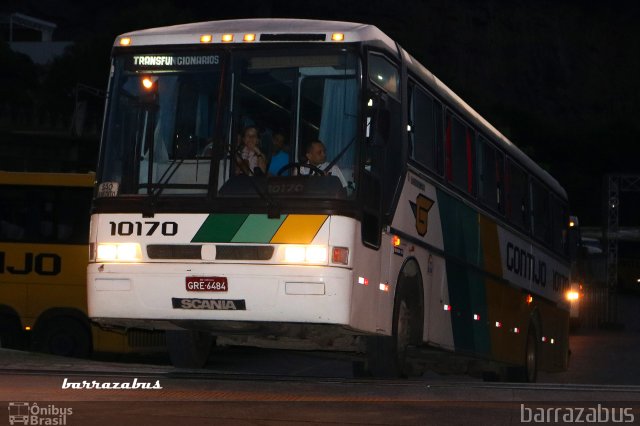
x: 525, y: 264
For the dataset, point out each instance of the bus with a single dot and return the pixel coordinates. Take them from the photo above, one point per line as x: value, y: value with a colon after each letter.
x: 438, y: 238
x: 44, y: 233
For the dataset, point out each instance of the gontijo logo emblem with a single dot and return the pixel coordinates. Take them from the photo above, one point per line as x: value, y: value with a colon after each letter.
x: 421, y: 212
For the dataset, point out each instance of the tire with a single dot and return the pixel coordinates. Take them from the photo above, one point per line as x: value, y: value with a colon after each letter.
x: 64, y: 337
x: 11, y: 336
x: 387, y: 355
x: 189, y: 348
x: 528, y: 372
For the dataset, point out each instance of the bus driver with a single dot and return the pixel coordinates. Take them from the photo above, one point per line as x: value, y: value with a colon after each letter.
x: 316, y: 155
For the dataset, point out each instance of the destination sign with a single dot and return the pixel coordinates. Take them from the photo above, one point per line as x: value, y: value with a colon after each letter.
x: 137, y: 62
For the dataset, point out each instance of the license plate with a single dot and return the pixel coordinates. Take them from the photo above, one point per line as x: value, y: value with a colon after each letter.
x: 206, y: 284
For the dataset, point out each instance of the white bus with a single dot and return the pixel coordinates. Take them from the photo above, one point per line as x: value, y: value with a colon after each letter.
x: 437, y: 232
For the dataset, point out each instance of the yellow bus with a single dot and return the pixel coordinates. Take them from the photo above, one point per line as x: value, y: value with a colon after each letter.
x: 44, y: 227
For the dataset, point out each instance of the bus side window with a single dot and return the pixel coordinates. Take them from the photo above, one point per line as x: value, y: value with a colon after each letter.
x: 424, y: 130
x: 541, y: 213
x: 559, y: 221
x: 517, y: 196
x: 384, y: 75
x: 11, y: 215
x: 490, y: 163
x: 459, y: 154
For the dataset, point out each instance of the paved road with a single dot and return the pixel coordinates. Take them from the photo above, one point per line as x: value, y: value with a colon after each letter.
x: 262, y: 387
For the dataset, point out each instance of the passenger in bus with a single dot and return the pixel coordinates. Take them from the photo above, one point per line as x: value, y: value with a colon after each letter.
x: 249, y: 158
x: 280, y: 156
x: 316, y: 155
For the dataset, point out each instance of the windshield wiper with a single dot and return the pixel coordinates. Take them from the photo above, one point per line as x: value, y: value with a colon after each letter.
x: 161, y: 185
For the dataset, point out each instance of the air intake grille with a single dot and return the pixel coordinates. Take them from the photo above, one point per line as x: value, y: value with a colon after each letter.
x: 223, y: 252
x: 293, y: 37
x: 174, y: 251
x: 244, y: 252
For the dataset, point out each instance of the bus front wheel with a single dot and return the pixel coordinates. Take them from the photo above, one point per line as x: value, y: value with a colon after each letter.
x: 387, y: 355
x: 65, y: 337
x: 189, y: 348
x: 10, y: 332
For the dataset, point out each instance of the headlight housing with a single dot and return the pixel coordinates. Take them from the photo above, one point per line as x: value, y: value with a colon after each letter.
x: 119, y: 252
x: 316, y: 255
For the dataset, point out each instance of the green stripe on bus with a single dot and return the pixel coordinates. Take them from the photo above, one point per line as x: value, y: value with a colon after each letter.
x: 219, y: 228
x: 466, y: 284
x: 258, y: 228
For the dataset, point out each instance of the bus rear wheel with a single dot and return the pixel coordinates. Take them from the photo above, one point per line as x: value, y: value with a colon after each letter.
x: 528, y: 372
x: 189, y: 348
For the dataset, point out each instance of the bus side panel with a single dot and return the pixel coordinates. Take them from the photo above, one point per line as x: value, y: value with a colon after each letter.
x: 37, y: 277
x: 418, y: 217
x: 365, y: 288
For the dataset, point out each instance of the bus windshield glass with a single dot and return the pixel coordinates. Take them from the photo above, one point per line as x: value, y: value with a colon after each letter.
x: 239, y: 124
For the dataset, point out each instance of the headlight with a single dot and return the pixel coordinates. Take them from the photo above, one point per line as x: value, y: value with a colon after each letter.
x: 122, y: 252
x: 305, y: 254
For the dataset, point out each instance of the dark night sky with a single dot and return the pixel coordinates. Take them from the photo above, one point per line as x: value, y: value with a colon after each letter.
x: 561, y: 79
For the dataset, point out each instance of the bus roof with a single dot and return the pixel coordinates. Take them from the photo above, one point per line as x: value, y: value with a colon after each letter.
x: 265, y: 30
x: 47, y: 179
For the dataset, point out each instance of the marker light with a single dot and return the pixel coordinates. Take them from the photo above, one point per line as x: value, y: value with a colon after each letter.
x: 476, y: 317
x: 498, y: 324
x: 447, y: 307
x: 395, y: 240
x: 27, y: 328
x: 529, y: 298
x: 147, y: 83
x: 227, y: 38
x: 544, y: 338
x: 340, y: 255
x: 553, y: 341
x: 384, y: 287
x: 249, y: 37
x: 121, y: 252
x: 572, y: 295
x: 363, y: 281
x: 516, y: 330
x: 125, y: 41
x: 337, y: 37
x: 571, y: 224
x: 206, y: 38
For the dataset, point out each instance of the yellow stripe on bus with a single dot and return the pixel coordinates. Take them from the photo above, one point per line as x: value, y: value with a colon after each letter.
x: 298, y: 229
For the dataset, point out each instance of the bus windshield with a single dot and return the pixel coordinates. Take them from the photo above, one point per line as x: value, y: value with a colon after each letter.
x: 233, y: 124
